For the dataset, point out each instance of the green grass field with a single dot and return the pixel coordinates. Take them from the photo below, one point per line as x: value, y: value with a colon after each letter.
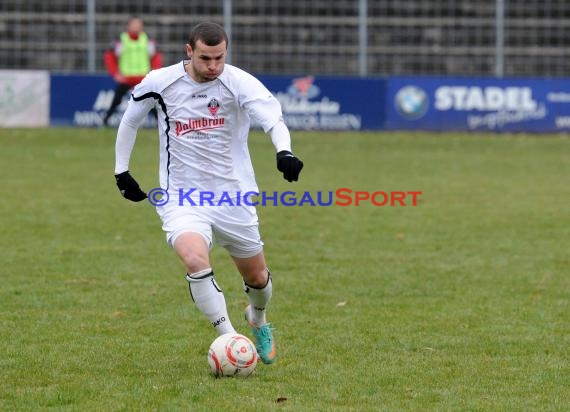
x: 458, y: 304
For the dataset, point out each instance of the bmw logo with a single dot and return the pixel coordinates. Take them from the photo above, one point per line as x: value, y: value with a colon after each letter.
x: 411, y: 102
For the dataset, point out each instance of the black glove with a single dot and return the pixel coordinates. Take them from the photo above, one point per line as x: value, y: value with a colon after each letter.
x: 129, y: 187
x: 289, y: 164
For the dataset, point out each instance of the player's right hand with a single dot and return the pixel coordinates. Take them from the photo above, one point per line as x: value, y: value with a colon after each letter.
x: 129, y: 187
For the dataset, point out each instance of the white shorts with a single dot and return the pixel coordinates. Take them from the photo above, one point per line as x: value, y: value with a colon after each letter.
x: 235, y: 228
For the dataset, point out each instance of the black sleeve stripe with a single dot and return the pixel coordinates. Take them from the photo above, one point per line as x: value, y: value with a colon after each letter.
x: 158, y: 97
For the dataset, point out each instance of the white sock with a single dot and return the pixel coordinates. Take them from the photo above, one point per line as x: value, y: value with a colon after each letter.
x: 210, y: 300
x: 258, y: 299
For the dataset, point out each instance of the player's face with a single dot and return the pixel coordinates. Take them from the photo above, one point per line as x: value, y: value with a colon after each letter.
x: 206, y: 62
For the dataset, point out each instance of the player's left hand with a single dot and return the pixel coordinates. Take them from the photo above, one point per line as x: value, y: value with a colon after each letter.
x: 289, y: 164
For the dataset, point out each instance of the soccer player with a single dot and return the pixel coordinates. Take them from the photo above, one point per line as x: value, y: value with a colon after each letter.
x: 204, y: 112
x: 128, y: 60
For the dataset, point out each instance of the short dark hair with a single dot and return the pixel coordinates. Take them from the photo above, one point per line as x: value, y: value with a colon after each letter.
x: 209, y: 33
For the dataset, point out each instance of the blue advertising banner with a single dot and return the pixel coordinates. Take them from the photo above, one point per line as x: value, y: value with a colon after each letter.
x: 83, y: 100
x: 482, y: 104
x: 308, y: 103
x: 329, y: 103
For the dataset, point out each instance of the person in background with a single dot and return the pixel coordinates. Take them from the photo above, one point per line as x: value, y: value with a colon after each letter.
x: 128, y: 60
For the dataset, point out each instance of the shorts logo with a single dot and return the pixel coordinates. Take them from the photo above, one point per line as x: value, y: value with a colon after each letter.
x: 213, y: 107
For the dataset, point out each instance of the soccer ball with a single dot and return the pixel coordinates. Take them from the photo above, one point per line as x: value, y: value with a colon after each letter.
x: 232, y: 354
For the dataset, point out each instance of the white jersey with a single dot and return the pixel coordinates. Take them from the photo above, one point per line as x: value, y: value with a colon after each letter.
x: 204, y: 127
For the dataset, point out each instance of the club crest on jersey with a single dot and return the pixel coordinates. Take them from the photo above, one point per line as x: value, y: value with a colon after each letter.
x: 213, y: 107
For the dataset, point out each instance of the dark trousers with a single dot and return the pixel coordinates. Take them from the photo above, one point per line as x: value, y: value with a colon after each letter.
x: 120, y: 92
